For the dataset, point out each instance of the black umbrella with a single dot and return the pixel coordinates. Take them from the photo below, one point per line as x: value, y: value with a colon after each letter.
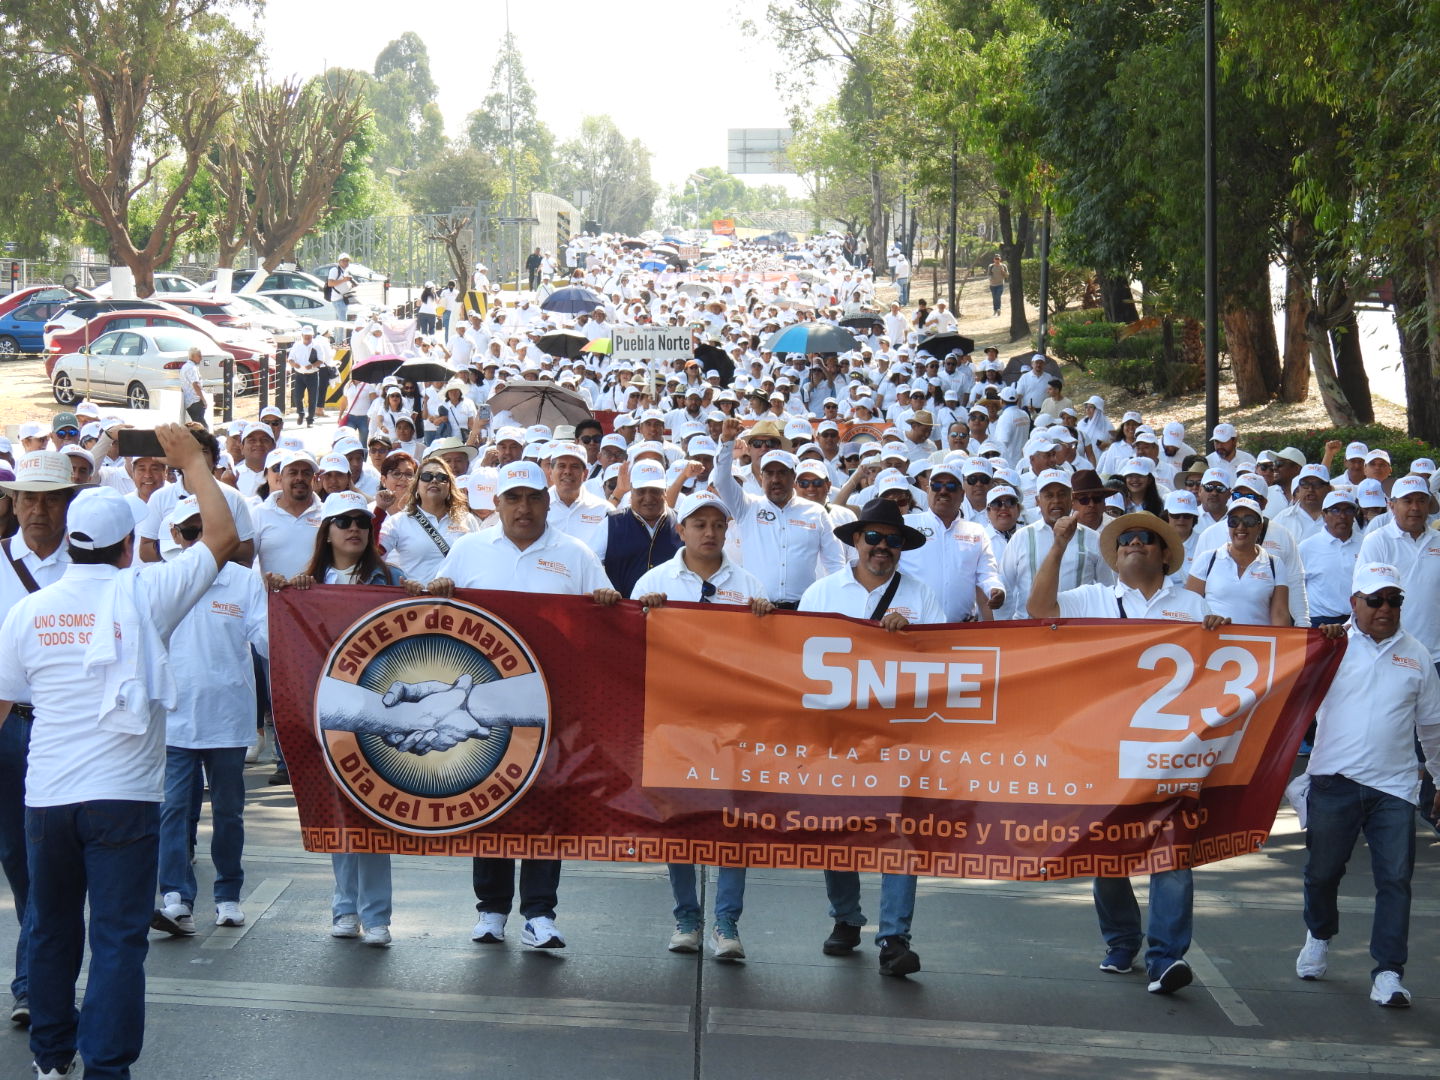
x: 572, y: 300
x: 714, y: 358
x: 864, y: 322
x: 424, y: 371
x: 812, y: 337
x: 566, y: 343
x: 941, y: 345
x: 377, y: 368
x: 1018, y: 364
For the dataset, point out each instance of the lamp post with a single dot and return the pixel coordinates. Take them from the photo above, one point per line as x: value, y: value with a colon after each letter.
x: 1212, y: 335
x: 697, y: 179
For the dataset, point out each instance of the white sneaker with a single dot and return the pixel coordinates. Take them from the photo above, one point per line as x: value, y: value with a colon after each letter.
x: 173, y: 917
x: 228, y: 913
x: 1386, y: 990
x: 252, y: 755
x: 541, y: 933
x: 1313, y: 958
x: 376, y: 935
x: 73, y: 1069
x: 725, y: 944
x: 490, y: 929
x: 346, y: 926
x: 685, y: 941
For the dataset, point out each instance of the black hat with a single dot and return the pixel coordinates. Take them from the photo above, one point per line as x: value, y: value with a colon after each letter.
x: 880, y: 512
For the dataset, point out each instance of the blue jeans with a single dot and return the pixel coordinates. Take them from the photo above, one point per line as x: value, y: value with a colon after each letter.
x: 106, y: 850
x: 14, y: 755
x: 897, y: 902
x: 996, y: 291
x: 494, y: 882
x: 341, y: 307
x: 1172, y: 916
x: 729, y: 896
x: 226, y: 769
x: 1340, y: 810
x: 362, y: 887
x: 903, y: 284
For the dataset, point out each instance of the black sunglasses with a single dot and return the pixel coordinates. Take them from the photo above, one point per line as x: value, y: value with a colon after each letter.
x: 891, y: 540
x: 589, y: 440
x: 189, y: 532
x: 764, y: 444
x: 1090, y: 500
x: 1394, y: 600
x: 811, y: 482
x: 707, y: 590
x: 1215, y: 489
x: 434, y: 478
x: 1247, y: 521
x: 1129, y: 536
x: 68, y: 433
x: 944, y: 485
x: 979, y: 480
x: 351, y: 521
x: 1005, y: 504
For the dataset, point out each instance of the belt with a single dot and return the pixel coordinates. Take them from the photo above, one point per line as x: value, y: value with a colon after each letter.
x: 22, y: 711
x: 787, y: 605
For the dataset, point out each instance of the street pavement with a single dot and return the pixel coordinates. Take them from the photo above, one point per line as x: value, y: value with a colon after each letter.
x: 1009, y: 988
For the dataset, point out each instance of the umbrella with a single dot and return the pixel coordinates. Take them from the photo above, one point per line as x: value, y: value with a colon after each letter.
x: 424, y: 371
x: 654, y: 264
x: 572, y: 300
x: 864, y: 322
x: 1020, y: 363
x: 539, y: 403
x: 714, y: 358
x: 939, y: 345
x: 377, y: 368
x: 665, y: 249
x: 812, y: 337
x: 566, y: 343
x: 794, y: 258
x: 699, y: 288
x: 633, y: 243
x: 602, y: 345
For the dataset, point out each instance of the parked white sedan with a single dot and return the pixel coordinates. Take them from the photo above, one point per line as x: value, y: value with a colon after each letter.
x: 134, y: 365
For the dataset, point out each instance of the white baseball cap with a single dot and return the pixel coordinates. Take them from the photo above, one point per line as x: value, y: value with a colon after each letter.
x: 568, y: 449
x: 1181, y: 502
x: 1409, y: 485
x: 1356, y: 450
x: 345, y: 502
x: 698, y: 500
x: 334, y: 463
x: 1372, y: 577
x: 645, y: 474
x: 1138, y: 466
x: 1052, y: 476
x: 1223, y: 432
x: 891, y: 480
x: 780, y: 457
x: 1371, y: 493
x: 521, y: 474
x: 99, y: 517
x: 1341, y: 496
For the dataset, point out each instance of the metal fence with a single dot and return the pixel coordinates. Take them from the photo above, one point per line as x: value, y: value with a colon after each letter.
x: 410, y: 248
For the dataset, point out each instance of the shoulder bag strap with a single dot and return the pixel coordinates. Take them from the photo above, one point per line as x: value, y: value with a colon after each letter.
x: 431, y: 532
x: 884, y: 604
x: 21, y: 570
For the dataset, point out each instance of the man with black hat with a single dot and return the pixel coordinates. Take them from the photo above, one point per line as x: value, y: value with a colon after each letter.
x: 875, y: 589
x: 1142, y: 550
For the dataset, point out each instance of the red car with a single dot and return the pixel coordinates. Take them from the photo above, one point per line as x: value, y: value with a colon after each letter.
x: 32, y: 293
x: 229, y: 313
x: 247, y: 355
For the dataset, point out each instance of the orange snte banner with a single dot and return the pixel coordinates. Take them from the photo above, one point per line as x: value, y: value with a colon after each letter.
x: 547, y: 727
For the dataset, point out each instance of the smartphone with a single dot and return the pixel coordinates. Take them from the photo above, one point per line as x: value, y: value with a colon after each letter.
x: 137, y: 442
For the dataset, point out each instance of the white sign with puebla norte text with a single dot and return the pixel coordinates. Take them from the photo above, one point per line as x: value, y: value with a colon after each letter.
x: 652, y: 343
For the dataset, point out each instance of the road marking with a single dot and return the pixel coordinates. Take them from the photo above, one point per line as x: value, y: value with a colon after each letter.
x: 417, y: 1005
x: 1209, y: 1052
x: 1225, y: 995
x: 260, y: 900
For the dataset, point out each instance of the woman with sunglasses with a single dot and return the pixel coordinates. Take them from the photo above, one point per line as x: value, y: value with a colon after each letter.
x: 1241, y: 580
x: 418, y: 540
x: 345, y: 554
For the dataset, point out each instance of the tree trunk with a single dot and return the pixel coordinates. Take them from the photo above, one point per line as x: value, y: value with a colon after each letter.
x: 1295, y: 369
x: 1350, y: 367
x: 1116, y: 298
x: 1248, y: 334
x: 1337, y: 406
x: 1012, y: 248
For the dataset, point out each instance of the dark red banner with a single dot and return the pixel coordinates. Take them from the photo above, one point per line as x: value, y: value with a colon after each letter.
x: 546, y: 727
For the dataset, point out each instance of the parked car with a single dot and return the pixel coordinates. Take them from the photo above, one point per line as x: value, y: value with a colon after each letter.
x: 279, y: 279
x: 164, y: 284
x: 306, y: 306
x: 271, y: 317
x: 31, y: 293
x: 134, y: 365
x: 76, y: 313
x: 358, y: 271
x: 229, y: 312
x: 246, y: 346
x: 23, y: 329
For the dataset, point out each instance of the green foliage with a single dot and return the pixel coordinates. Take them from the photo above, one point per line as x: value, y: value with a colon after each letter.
x: 723, y: 195
x: 1077, y: 337
x: 458, y: 176
x: 615, y: 171
x: 1135, y: 363
x: 1402, y: 448
x: 1067, y: 284
x: 402, y: 95
x: 488, y: 127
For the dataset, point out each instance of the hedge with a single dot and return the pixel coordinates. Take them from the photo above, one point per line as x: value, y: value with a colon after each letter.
x: 1402, y: 448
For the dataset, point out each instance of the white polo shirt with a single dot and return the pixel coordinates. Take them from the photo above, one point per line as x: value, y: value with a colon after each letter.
x: 1298, y: 523
x: 586, y: 519
x: 210, y: 658
x: 285, y: 542
x: 786, y: 547
x: 1329, y: 566
x: 840, y: 592
x: 954, y: 561
x: 248, y: 480
x: 555, y: 563
x: 1242, y: 596
x: 45, y: 571
x: 676, y: 581
x: 72, y: 759
x: 410, y: 549
x: 1418, y: 561
x: 1383, y: 695
x: 1279, y: 543
x: 163, y: 501
x: 1118, y: 601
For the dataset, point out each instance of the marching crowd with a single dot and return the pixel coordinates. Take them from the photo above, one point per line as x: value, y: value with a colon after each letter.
x: 902, y: 480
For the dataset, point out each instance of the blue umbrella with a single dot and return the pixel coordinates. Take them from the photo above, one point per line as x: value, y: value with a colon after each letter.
x: 572, y: 300
x: 812, y: 337
x: 654, y: 264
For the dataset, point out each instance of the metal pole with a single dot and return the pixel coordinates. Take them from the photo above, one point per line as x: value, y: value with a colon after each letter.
x: 264, y: 381
x: 1212, y: 330
x: 1045, y: 279
x: 954, y: 209
x: 227, y: 390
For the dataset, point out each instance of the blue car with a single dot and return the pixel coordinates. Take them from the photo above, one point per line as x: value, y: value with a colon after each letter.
x: 21, y: 330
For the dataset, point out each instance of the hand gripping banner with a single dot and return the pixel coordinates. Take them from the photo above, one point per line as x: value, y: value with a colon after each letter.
x: 516, y: 725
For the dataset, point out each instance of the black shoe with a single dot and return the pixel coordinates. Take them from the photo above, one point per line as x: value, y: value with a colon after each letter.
x: 843, y: 940
x: 897, y: 958
x: 1175, y: 977
x: 279, y: 776
x: 20, y: 1011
